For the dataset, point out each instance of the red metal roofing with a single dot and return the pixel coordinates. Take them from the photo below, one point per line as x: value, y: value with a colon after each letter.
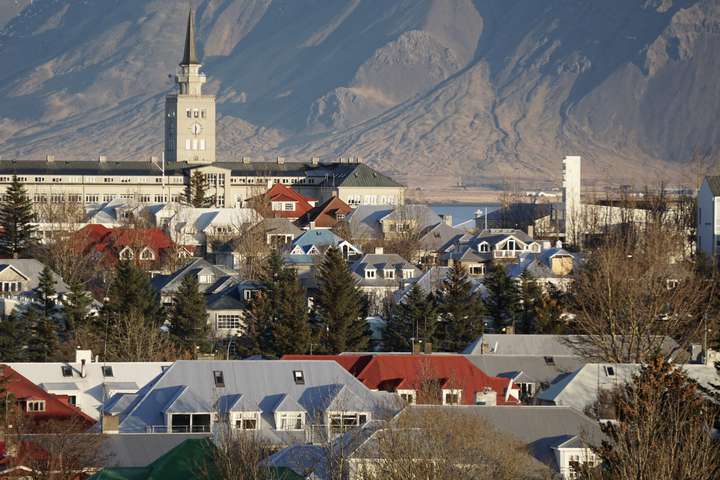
x: 325, y: 214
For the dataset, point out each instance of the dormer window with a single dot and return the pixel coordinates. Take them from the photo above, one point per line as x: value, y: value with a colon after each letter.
x: 484, y: 247
x: 290, y: 421
x: 409, y: 396
x: 126, y: 254
x: 298, y: 377
x: 408, y: 273
x: 389, y: 273
x: 511, y: 244
x: 451, y: 396
x: 370, y: 273
x: 205, y: 279
x: 35, y: 406
x: 147, y: 254
x: 219, y: 378
x: 248, y: 294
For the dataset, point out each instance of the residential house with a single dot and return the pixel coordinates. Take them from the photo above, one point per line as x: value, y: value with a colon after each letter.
x: 198, y: 228
x: 708, y: 218
x: 19, y: 279
x: 381, y: 274
x: 307, y: 251
x: 85, y: 382
x: 281, y: 201
x: 435, y: 239
x: 285, y: 402
x: 427, y: 378
x: 554, y: 266
x: 477, y: 252
x: 325, y: 215
x: 149, y: 247
x: 192, y: 458
x: 357, y: 184
x: 536, y: 219
x: 554, y: 436
x: 581, y: 389
x: 278, y: 232
x: 382, y: 221
x: 37, y: 405
x: 432, y: 281
x: 225, y: 292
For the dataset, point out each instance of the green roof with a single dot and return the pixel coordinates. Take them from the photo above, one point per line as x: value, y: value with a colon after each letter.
x: 192, y: 459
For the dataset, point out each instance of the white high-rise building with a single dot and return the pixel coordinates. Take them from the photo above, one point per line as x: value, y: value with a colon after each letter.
x: 572, y: 201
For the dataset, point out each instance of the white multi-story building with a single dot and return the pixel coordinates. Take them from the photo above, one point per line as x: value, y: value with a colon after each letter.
x: 708, y: 217
x: 189, y: 147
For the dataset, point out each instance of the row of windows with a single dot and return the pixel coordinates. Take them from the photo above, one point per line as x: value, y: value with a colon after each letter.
x: 110, y: 179
x: 9, y: 287
x: 194, y: 144
x: 195, y: 113
x: 228, y: 322
x: 107, y: 197
x: 354, y: 200
x: 388, y: 274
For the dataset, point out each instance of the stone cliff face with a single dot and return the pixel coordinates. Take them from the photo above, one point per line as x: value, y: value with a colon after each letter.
x: 434, y: 91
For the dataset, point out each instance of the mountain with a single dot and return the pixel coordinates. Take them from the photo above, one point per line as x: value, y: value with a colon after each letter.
x: 435, y: 92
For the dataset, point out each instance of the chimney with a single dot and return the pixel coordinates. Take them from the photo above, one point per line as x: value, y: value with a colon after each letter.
x: 83, y: 369
x: 558, y: 244
x: 312, y: 225
x: 50, y: 158
x: 531, y: 231
x: 280, y: 160
x: 446, y: 219
x: 428, y: 348
x: 102, y: 159
x: 315, y: 161
x: 246, y: 160
x: 416, y: 348
x: 358, y: 160
x: 509, y: 330
x: 379, y: 250
x: 110, y: 423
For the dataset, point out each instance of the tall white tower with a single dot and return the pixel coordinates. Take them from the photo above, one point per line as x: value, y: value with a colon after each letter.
x: 571, y: 198
x: 190, y: 115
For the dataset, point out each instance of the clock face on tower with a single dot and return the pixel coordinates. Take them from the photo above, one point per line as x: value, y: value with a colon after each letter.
x: 196, y: 128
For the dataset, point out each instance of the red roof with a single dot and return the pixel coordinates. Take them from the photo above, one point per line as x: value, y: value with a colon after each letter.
x: 405, y: 371
x: 326, y: 214
x: 110, y: 242
x: 56, y: 406
x: 282, y: 193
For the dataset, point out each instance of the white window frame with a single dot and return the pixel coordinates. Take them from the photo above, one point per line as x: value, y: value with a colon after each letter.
x: 409, y: 395
x: 389, y: 274
x: 145, y: 251
x: 408, y: 273
x: 348, y: 420
x: 35, y: 406
x: 241, y: 417
x: 370, y: 273
x: 452, y: 391
x: 126, y: 254
x: 288, y: 421
x: 484, y: 247
x: 228, y: 321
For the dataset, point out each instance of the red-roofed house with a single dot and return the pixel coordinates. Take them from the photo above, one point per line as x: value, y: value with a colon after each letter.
x: 37, y: 405
x: 446, y: 379
x: 144, y: 245
x: 283, y: 202
x: 326, y: 215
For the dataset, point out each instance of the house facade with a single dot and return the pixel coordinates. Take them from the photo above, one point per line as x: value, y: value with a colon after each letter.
x: 380, y: 275
x: 19, y: 279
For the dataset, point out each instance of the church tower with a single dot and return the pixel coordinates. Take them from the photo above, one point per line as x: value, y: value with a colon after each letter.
x: 190, y: 115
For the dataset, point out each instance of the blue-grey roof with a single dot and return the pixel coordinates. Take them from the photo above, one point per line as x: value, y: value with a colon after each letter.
x: 318, y: 237
x: 31, y: 269
x: 189, y: 386
x: 222, y: 277
x: 381, y: 261
x: 364, y: 221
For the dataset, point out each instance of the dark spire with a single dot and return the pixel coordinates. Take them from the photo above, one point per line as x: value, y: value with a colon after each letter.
x: 190, y: 55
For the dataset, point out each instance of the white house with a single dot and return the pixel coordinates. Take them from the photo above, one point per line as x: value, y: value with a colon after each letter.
x: 87, y: 382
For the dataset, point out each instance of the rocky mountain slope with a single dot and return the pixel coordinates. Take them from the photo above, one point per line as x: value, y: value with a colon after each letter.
x: 434, y: 91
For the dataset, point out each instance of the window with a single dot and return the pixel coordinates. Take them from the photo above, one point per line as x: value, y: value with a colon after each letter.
x: 341, y: 422
x: 219, y: 378
x: 289, y: 206
x: 549, y: 360
x: 10, y: 287
x: 291, y: 421
x: 370, y: 273
x: 247, y: 421
x: 189, y: 113
x: 407, y: 395
x: 196, y: 114
x: 66, y: 371
x: 248, y: 294
x: 298, y: 377
x: 340, y: 216
x: 609, y: 371
x: 127, y: 254
x: 511, y: 245
x: 408, y: 273
x: 228, y: 321
x: 451, y: 397
x: 107, y: 371
x: 202, y: 113
x: 202, y: 144
x: 35, y: 406
x: 672, y: 283
x: 484, y: 247
x: 147, y: 254
x: 72, y: 399
x: 389, y: 274
x: 187, y: 144
x: 477, y: 269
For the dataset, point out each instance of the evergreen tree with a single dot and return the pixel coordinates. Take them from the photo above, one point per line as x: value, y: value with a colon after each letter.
x: 461, y: 312
x: 196, y: 191
x: 415, y: 317
x: 46, y: 292
x: 548, y: 313
x: 340, y: 307
x: 503, y: 297
x: 531, y: 300
x: 43, y: 343
x: 278, y: 318
x: 131, y: 293
x: 13, y: 339
x: 76, y: 306
x: 189, y: 317
x: 16, y: 217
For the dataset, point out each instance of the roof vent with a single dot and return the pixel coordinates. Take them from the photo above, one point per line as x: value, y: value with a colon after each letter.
x: 219, y: 378
x: 299, y: 377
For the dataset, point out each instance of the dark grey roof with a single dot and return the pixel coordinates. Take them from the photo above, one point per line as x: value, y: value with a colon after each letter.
x: 437, y: 237
x: 223, y: 276
x: 381, y: 261
x: 84, y: 167
x: 190, y: 54
x: 278, y: 226
x: 529, y: 369
x: 357, y: 175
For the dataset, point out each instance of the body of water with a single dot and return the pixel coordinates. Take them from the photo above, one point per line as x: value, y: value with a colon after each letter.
x: 462, y: 212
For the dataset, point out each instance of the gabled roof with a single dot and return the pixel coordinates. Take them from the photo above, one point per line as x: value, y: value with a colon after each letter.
x: 168, y: 284
x: 325, y: 214
x: 528, y: 369
x: 317, y: 237
x: 55, y: 407
x: 436, y: 237
x: 287, y: 404
x: 364, y: 221
x: 381, y: 261
x: 278, y: 226
x: 31, y: 269
x: 356, y: 175
x: 236, y: 402
x: 714, y: 184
